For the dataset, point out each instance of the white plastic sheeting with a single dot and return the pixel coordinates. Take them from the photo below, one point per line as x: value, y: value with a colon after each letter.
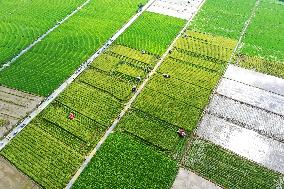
x: 177, y: 8
x: 259, y: 80
x: 251, y: 95
x: 261, y: 121
x: 189, y: 180
x: 242, y: 141
x: 246, y: 116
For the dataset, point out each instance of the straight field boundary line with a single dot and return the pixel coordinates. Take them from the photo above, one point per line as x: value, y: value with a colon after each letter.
x: 246, y: 24
x: 130, y: 102
x: 64, y: 85
x: 8, y: 64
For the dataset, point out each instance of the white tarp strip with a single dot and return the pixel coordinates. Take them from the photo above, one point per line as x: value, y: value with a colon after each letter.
x: 176, y: 8
x: 247, y: 143
x: 251, y: 95
x: 261, y: 121
x: 189, y: 180
x: 259, y: 80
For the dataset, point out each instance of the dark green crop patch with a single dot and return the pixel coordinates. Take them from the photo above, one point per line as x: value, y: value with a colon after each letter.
x: 124, y: 162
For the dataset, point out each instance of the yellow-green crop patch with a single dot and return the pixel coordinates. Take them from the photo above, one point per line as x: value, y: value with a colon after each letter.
x: 153, y: 131
x: 44, y: 158
x: 44, y: 67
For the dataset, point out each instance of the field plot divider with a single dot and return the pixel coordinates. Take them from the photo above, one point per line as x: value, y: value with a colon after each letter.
x: 246, y: 25
x: 64, y: 85
x: 7, y: 64
x: 130, y: 102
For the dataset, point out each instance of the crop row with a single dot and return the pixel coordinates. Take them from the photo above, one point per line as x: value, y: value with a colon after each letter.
x: 153, y: 131
x: 91, y: 102
x: 22, y: 24
x: 228, y: 169
x: 265, y: 36
x: 82, y: 127
x: 223, y: 18
x: 168, y: 109
x: 263, y: 42
x: 261, y: 65
x: 190, y: 73
x: 113, y: 85
x: 156, y: 30
x: 95, y: 99
x: 124, y: 162
x: 40, y: 155
x: 43, y: 68
x: 133, y: 54
x: 218, y: 51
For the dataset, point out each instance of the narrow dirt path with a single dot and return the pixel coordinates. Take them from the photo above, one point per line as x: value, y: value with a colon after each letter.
x: 129, y: 103
x: 64, y: 85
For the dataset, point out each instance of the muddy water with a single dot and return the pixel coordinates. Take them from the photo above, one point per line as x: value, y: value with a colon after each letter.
x: 11, y: 178
x: 255, y: 79
x: 188, y: 180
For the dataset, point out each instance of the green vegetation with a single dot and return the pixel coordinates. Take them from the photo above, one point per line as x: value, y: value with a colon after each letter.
x: 95, y: 99
x: 194, y: 72
x: 91, y: 102
x: 152, y: 130
x: 261, y: 65
x: 21, y: 24
x: 132, y: 54
x: 223, y: 17
x: 3, y: 122
x: 115, y: 86
x: 152, y: 32
x: 263, y: 37
x: 228, y: 169
x: 124, y: 162
x: 42, y: 69
x: 168, y: 109
x: 45, y: 159
x: 262, y: 48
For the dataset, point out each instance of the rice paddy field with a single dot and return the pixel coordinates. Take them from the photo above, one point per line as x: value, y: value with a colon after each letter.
x: 103, y: 94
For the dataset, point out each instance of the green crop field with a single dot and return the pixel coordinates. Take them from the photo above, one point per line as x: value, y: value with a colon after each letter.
x: 124, y: 162
x: 96, y: 98
x: 158, y: 31
x: 46, y: 159
x: 263, y: 44
x: 22, y: 22
x: 49, y: 63
x: 142, y: 125
x: 137, y: 88
x: 194, y: 71
x: 228, y: 169
x: 223, y: 17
